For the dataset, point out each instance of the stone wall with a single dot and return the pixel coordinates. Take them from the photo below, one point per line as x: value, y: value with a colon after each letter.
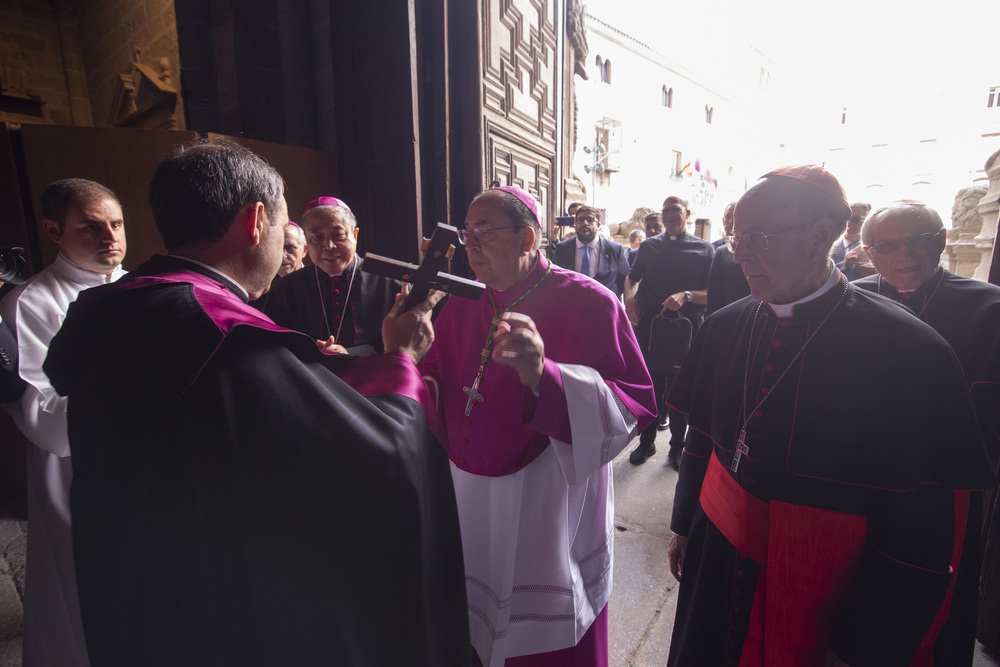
x: 70, y: 53
x: 30, y: 49
x: 110, y: 33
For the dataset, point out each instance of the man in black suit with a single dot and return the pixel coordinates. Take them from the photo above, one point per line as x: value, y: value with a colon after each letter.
x: 590, y: 254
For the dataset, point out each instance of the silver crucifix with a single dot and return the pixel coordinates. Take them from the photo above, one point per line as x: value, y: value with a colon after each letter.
x: 473, y: 394
x: 741, y: 449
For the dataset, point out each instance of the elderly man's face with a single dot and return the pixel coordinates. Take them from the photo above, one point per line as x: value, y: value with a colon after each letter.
x: 92, y: 235
x: 782, y: 273
x: 914, y: 261
x: 674, y: 216
x: 587, y: 223
x: 497, y: 249
x: 294, y: 251
x: 653, y: 225
x: 332, y: 240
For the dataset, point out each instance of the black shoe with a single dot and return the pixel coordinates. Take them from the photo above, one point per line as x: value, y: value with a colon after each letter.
x: 674, y: 459
x: 641, y: 453
x: 663, y: 424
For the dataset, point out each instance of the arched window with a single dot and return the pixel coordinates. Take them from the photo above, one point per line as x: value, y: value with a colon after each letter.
x: 604, y: 69
x: 668, y: 97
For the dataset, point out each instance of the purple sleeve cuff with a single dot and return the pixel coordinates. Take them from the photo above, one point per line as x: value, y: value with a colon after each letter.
x: 393, y: 373
x: 547, y: 413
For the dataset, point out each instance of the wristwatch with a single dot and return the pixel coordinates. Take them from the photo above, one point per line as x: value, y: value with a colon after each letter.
x: 688, y: 296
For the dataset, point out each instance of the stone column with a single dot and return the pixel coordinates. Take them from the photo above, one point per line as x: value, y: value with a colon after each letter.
x: 989, y: 208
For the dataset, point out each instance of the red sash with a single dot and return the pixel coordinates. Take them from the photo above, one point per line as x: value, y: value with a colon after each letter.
x: 808, y: 558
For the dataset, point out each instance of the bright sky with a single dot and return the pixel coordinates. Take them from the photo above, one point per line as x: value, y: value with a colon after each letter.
x: 906, y: 68
x: 849, y: 50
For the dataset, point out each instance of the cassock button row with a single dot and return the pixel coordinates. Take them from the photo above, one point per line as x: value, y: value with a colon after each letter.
x: 468, y: 420
x: 336, y: 291
x: 785, y: 324
x: 758, y: 413
x: 777, y: 343
x: 462, y: 460
x: 763, y: 390
x: 771, y: 367
x: 465, y: 441
x: 336, y: 303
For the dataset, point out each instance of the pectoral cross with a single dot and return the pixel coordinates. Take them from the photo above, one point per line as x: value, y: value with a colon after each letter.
x: 473, y: 394
x: 741, y: 449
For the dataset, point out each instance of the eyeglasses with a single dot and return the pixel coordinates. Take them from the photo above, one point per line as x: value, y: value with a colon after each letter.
x: 759, y: 240
x: 589, y: 219
x: 480, y: 234
x: 915, y: 242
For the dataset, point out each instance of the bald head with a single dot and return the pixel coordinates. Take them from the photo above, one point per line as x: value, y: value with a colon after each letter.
x: 784, y: 228
x: 910, y: 216
x: 905, y: 242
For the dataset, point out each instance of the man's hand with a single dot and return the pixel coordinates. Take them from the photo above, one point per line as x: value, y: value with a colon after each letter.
x: 410, y: 332
x: 851, y: 257
x: 675, y: 301
x: 330, y: 346
x: 631, y: 305
x: 675, y: 552
x: 518, y: 345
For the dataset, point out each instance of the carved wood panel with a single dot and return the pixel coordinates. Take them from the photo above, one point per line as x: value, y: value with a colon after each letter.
x: 513, y: 163
x: 519, y: 94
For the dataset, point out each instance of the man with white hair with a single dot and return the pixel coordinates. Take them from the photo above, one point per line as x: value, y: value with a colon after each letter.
x: 295, y: 249
x: 333, y: 300
x: 905, y: 242
x: 801, y: 538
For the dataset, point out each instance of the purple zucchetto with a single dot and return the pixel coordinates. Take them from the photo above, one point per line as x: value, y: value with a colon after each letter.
x: 525, y: 198
x: 325, y: 201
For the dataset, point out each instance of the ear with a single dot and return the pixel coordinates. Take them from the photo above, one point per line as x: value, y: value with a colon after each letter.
x: 254, y: 221
x: 825, y: 233
x: 527, y: 238
x: 356, y: 230
x: 942, y: 240
x: 52, y: 230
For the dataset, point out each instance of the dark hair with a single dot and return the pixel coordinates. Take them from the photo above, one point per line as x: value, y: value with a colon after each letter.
x: 198, y: 191
x: 57, y: 197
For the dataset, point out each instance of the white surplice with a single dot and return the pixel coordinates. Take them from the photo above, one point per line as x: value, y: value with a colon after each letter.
x: 539, y: 543
x: 34, y: 311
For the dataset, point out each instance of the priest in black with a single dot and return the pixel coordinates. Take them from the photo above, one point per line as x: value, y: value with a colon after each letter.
x: 905, y: 242
x: 333, y: 300
x: 801, y: 538
x: 726, y: 282
x: 240, y: 497
x: 670, y: 272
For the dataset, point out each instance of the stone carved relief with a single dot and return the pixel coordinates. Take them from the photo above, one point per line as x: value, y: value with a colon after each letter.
x: 576, y: 36
x: 145, y: 97
x: 963, y: 253
x: 965, y: 218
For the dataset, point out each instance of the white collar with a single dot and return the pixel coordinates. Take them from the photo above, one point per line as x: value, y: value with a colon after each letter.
x: 73, y: 271
x: 592, y: 244
x: 785, y: 310
x: 216, y: 272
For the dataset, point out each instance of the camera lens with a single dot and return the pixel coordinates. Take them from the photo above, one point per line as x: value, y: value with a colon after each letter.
x: 12, y: 264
